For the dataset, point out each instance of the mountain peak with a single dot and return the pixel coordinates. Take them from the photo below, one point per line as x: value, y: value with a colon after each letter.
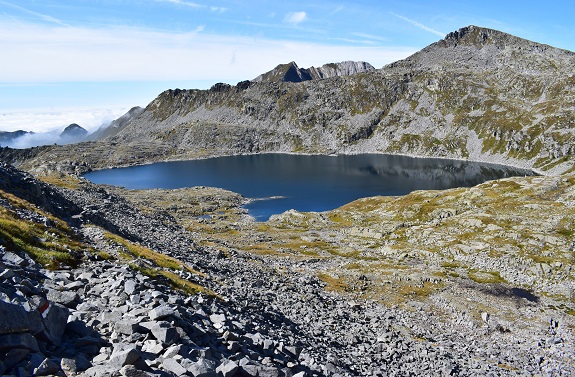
x: 478, y: 36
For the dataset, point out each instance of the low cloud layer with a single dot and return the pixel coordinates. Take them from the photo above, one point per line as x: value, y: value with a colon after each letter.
x: 48, y: 125
x: 43, y: 121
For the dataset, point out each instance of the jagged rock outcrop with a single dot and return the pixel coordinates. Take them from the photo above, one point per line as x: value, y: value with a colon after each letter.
x: 292, y: 73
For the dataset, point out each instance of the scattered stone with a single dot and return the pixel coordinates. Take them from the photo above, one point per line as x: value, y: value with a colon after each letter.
x: 14, y: 259
x: 20, y: 340
x: 47, y: 367
x: 165, y: 332
x: 124, y: 357
x: 203, y: 368
x: 14, y: 319
x: 228, y: 368
x: 132, y: 371
x: 130, y: 286
x: 66, y: 298
x: 160, y: 312
x: 55, y: 319
x: 174, y: 367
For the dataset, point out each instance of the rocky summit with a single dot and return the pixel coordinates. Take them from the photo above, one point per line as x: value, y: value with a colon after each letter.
x: 103, y: 281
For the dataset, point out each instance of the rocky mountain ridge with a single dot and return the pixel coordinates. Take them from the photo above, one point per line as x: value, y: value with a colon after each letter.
x: 6, y: 137
x: 292, y: 73
x: 108, y: 130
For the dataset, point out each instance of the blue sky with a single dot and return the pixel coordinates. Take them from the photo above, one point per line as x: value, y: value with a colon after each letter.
x: 96, y: 55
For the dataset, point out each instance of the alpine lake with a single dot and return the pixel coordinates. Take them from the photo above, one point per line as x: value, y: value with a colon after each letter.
x: 275, y: 183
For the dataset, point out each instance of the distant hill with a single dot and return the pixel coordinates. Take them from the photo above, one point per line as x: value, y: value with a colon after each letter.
x: 6, y: 137
x: 73, y: 131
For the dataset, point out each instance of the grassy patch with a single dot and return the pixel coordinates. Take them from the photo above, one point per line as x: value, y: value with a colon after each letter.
x: 336, y: 284
x: 163, y: 266
x: 507, y: 367
x: 52, y: 244
x: 104, y: 255
x: 419, y: 291
x: 451, y: 264
x: 185, y: 285
x: 62, y: 181
x: 490, y: 277
x: 140, y: 251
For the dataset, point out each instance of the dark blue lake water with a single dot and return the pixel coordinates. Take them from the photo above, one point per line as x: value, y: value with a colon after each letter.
x: 306, y: 183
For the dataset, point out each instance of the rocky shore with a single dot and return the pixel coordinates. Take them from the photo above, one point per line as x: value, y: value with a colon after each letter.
x: 145, y: 292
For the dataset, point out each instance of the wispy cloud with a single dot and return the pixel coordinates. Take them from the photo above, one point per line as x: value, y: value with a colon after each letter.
x: 337, y: 10
x: 295, y: 17
x: 182, y: 2
x: 194, y: 5
x: 43, y: 17
x: 218, y: 9
x: 418, y: 24
x: 370, y: 37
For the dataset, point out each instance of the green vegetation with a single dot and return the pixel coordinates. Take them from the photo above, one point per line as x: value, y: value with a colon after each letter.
x: 175, y: 280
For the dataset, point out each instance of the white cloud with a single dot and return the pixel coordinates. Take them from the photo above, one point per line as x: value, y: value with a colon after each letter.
x: 39, y: 53
x: 419, y: 25
x: 337, y: 10
x: 295, y: 17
